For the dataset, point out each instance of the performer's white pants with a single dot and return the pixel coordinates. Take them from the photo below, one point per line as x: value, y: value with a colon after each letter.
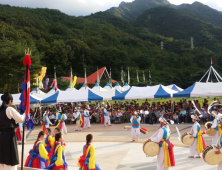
x: 215, y: 138
x: 7, y: 167
x: 219, y: 167
x: 193, y: 149
x: 135, y: 133
x: 46, y: 126
x: 106, y: 120
x: 160, y: 160
x: 64, y: 129
x: 78, y: 127
x: 86, y: 122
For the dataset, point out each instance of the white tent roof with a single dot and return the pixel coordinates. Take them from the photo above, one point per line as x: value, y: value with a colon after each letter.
x: 175, y: 87
x: 118, y: 87
x: 107, y: 86
x: 69, y: 89
x: 98, y: 88
x: 200, y: 89
x: 157, y: 91
x: 83, y: 87
x: 17, y: 101
x: 39, y: 91
x: 107, y: 95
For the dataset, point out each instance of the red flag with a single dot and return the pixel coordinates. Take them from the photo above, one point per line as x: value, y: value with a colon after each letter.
x: 211, y: 61
x: 27, y: 63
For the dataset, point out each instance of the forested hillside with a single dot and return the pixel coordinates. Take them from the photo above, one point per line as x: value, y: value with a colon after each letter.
x: 95, y: 41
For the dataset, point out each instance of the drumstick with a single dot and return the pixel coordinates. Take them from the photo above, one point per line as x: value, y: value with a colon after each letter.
x: 210, y: 106
x: 196, y: 108
x: 155, y: 133
x: 179, y: 137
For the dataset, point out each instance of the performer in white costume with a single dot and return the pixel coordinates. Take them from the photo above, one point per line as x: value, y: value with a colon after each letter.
x: 196, y: 147
x: 106, y: 116
x: 215, y: 124
x: 165, y: 157
x: 86, y: 118
x: 46, y: 120
x: 77, y: 116
x: 61, y: 122
x: 135, y: 131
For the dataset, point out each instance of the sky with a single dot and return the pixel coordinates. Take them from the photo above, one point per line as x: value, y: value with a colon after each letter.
x: 86, y: 7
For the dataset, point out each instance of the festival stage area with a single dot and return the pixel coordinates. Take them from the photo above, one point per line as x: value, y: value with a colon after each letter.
x: 114, y: 149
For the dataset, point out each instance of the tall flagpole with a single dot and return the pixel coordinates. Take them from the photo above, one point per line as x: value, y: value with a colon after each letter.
x: 128, y: 76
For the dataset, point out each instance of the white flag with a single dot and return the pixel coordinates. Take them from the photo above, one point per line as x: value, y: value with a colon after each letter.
x: 144, y: 79
x: 138, y: 77
x: 122, y: 75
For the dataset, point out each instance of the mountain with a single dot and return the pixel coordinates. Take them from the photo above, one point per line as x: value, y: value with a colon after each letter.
x: 203, y: 12
x: 171, y: 22
x: 131, y: 10
x: 101, y: 39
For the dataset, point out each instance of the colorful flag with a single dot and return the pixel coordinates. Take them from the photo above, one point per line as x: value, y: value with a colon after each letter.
x: 74, y: 82
x: 85, y: 79
x: 25, y: 95
x: 128, y: 76
x: 211, y: 61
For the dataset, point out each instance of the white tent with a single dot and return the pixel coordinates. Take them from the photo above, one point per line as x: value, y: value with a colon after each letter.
x: 107, y: 86
x: 107, y: 95
x: 72, y: 96
x: 70, y: 89
x: 83, y: 87
x: 118, y: 87
x: 52, y: 91
x: 35, y: 92
x: 126, y: 86
x: 98, y: 88
x: 148, y: 92
x: 175, y: 87
x: 200, y: 89
x: 17, y: 101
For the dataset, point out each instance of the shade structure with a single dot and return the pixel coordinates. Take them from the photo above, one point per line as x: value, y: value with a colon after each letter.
x: 83, y: 87
x: 126, y: 86
x: 148, y: 92
x: 52, y: 91
x: 70, y: 89
x: 17, y: 101
x: 200, y: 89
x: 118, y: 87
x: 34, y: 91
x: 107, y: 86
x: 98, y: 88
x: 107, y: 95
x: 72, y: 96
x: 175, y: 87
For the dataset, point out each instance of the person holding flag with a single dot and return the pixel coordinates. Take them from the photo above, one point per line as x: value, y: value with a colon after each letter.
x: 9, y: 117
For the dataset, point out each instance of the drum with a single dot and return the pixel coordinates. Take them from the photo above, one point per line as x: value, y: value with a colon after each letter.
x: 210, y: 157
x: 210, y: 131
x: 186, y: 140
x: 151, y: 148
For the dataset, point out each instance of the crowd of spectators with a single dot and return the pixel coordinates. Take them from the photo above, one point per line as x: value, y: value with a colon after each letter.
x: 121, y: 112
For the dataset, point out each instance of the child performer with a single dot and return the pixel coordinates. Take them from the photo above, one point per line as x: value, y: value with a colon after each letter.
x: 49, y: 141
x: 87, y: 160
x: 38, y: 156
x: 58, y: 161
x: 56, y: 131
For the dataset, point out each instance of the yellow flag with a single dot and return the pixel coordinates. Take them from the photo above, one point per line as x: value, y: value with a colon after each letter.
x: 74, y: 82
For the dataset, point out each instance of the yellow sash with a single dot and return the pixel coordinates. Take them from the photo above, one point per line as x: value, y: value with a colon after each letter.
x: 80, y: 122
x: 167, y: 162
x: 59, y: 122
x: 199, y: 142
x: 219, y: 128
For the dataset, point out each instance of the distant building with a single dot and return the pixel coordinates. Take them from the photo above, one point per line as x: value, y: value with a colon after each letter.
x: 92, y: 79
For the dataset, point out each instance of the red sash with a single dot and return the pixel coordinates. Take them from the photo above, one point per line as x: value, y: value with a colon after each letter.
x: 43, y: 126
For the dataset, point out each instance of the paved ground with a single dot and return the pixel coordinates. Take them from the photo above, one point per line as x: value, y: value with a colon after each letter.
x: 114, y: 149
